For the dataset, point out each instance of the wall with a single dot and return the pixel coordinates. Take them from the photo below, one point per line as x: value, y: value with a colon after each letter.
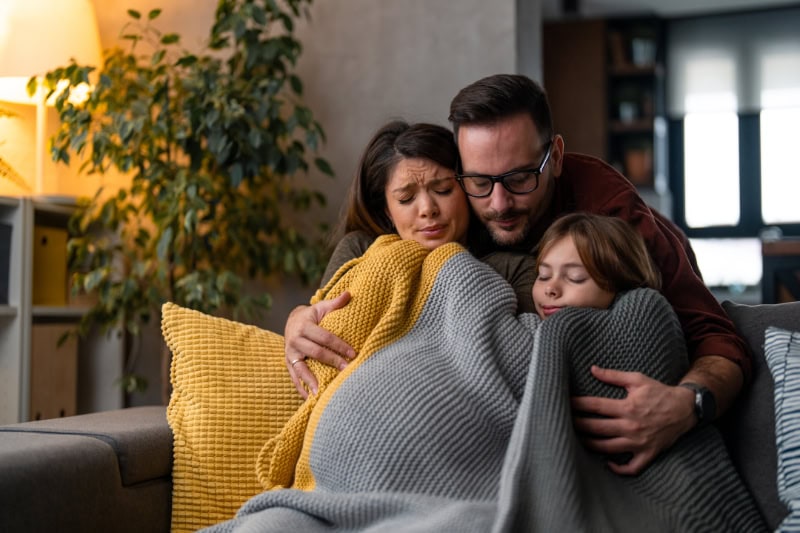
x: 365, y: 62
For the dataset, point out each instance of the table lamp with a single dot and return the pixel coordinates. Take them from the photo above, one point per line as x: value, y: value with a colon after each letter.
x: 37, y: 36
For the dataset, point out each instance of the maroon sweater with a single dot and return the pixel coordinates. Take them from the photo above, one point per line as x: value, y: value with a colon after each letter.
x: 588, y: 184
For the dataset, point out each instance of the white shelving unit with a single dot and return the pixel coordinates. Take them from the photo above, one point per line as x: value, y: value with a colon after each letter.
x: 13, y: 339
x: 100, y: 358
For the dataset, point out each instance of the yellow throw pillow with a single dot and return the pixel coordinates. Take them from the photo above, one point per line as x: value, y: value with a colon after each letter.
x: 231, y: 393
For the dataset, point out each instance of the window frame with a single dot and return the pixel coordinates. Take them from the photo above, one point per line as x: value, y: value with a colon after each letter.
x: 750, y: 222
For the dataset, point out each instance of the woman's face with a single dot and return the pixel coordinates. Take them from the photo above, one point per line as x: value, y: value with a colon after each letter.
x: 563, y: 281
x: 426, y: 204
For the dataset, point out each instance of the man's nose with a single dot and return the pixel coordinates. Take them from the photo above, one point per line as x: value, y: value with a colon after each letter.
x: 500, y: 199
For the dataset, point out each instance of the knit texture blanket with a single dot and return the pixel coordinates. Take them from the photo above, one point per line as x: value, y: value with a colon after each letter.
x: 455, y: 415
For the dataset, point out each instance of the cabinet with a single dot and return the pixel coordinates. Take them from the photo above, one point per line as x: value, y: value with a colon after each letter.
x: 605, y: 82
x: 99, y: 358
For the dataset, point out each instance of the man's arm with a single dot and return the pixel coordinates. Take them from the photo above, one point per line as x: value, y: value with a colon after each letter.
x: 653, y: 415
x: 303, y: 336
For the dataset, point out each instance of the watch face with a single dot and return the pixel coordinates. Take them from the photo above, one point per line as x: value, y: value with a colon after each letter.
x: 708, y: 405
x: 705, y: 406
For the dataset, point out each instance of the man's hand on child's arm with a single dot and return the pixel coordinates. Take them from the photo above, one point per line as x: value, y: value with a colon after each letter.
x: 304, y: 338
x: 652, y: 416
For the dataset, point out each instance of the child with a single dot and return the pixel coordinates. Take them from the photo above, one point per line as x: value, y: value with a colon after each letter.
x: 584, y: 260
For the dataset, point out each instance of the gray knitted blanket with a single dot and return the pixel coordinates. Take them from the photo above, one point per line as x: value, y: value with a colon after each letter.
x: 463, y: 423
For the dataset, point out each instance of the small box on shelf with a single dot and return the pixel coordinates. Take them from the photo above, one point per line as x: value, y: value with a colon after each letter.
x: 643, y: 51
x: 638, y: 161
x: 639, y: 166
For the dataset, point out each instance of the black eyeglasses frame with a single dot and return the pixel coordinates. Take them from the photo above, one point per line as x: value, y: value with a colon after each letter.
x: 502, y: 177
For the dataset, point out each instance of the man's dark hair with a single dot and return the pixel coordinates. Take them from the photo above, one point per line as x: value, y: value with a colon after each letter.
x: 501, y: 96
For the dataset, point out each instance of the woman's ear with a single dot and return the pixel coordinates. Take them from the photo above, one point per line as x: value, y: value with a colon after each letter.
x: 557, y: 154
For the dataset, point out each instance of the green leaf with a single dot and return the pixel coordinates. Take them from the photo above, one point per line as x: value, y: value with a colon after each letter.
x: 297, y: 85
x: 323, y: 166
x: 31, y: 86
x: 288, y: 261
x: 254, y: 137
x: 164, y: 244
x: 237, y: 174
x: 187, y: 61
x: 131, y: 383
x: 142, y: 237
x: 153, y: 13
x: 157, y: 57
x: 170, y: 38
x: 134, y: 14
x: 125, y: 131
x: 287, y: 22
x: 259, y: 15
x: 93, y: 279
x: 190, y: 221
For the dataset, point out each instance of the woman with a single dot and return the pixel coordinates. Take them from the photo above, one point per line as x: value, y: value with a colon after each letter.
x: 405, y: 184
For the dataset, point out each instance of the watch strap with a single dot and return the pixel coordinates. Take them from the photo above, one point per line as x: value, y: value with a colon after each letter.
x: 704, y: 404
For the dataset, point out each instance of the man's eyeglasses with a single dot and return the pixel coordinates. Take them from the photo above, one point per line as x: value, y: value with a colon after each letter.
x: 520, y: 181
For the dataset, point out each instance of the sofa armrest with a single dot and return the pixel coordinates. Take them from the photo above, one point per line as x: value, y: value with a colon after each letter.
x: 749, y: 426
x: 108, y: 471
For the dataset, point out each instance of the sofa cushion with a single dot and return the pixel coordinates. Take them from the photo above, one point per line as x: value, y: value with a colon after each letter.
x: 749, y: 426
x: 228, y: 399
x: 139, y: 437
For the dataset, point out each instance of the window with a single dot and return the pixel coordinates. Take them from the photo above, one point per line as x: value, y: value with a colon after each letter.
x: 711, y: 163
x: 780, y: 177
x: 780, y: 115
x: 734, y: 105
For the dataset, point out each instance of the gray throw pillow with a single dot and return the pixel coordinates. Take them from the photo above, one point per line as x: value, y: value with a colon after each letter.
x: 782, y: 351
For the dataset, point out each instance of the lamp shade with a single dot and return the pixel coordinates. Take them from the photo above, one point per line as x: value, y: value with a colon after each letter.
x: 39, y: 35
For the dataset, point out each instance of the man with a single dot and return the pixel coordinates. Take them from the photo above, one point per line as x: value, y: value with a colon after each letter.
x: 502, y: 124
x: 519, y: 179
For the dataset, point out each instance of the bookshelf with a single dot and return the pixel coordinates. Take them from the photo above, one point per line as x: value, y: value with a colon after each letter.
x: 97, y: 360
x: 605, y: 79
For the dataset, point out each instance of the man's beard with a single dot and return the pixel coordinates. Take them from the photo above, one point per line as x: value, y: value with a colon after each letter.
x: 506, y: 238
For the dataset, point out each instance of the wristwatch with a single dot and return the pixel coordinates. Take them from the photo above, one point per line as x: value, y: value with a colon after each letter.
x: 705, y: 406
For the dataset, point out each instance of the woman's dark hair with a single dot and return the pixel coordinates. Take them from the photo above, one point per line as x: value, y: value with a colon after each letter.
x: 365, y: 208
x: 501, y: 96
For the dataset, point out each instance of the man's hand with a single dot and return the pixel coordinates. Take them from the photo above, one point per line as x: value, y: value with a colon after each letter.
x: 646, y: 422
x: 305, y: 338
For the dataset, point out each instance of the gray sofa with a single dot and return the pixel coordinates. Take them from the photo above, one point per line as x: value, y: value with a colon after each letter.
x: 111, y: 471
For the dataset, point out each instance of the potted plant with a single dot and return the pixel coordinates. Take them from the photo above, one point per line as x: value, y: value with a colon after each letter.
x: 638, y: 156
x: 215, y: 144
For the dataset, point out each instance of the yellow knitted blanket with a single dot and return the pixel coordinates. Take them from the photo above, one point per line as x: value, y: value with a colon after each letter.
x: 389, y: 286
